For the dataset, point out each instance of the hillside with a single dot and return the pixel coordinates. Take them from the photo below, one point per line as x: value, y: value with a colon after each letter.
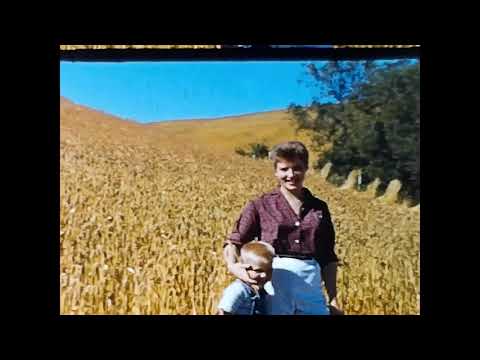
x: 82, y: 124
x: 144, y: 211
x: 79, y: 124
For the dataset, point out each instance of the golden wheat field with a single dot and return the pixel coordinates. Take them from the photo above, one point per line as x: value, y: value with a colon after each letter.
x: 143, y: 218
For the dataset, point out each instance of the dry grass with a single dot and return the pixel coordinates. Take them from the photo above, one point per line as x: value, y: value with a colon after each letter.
x: 143, y: 217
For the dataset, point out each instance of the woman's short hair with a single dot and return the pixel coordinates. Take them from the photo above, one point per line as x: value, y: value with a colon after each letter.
x: 257, y: 253
x: 289, y: 150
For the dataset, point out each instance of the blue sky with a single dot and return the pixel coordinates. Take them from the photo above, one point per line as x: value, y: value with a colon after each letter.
x: 156, y: 91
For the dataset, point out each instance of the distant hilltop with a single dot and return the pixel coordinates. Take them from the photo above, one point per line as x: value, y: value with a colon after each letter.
x: 81, y: 124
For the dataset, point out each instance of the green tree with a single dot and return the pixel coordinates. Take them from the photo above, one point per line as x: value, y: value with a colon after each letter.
x: 240, y: 151
x: 370, y: 113
x: 258, y: 150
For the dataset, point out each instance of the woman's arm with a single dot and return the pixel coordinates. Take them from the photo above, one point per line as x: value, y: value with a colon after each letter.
x: 329, y: 275
x: 328, y: 261
x: 231, y: 255
x: 246, y: 228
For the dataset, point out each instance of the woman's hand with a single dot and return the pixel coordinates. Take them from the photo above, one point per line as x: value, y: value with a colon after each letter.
x: 240, y: 272
x: 334, y: 308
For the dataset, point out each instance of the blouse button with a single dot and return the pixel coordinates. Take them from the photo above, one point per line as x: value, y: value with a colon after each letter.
x: 297, y: 223
x: 297, y: 241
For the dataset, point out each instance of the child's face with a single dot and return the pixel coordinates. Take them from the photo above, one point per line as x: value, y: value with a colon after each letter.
x: 262, y: 274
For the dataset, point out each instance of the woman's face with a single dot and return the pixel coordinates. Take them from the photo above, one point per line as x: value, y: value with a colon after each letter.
x: 291, y: 174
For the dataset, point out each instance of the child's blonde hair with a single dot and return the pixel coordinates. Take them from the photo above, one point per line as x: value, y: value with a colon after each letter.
x: 257, y: 253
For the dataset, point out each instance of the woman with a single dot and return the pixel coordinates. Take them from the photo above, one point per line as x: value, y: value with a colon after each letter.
x: 299, y: 227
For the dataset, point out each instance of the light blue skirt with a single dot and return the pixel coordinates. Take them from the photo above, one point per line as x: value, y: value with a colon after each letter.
x: 295, y: 288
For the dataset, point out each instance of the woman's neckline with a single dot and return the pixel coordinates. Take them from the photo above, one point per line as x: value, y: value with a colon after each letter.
x: 289, y: 196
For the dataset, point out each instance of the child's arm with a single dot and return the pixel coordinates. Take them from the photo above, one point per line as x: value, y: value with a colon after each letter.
x: 232, y: 298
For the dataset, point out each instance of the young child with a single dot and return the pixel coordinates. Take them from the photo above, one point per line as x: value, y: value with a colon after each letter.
x: 240, y: 298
